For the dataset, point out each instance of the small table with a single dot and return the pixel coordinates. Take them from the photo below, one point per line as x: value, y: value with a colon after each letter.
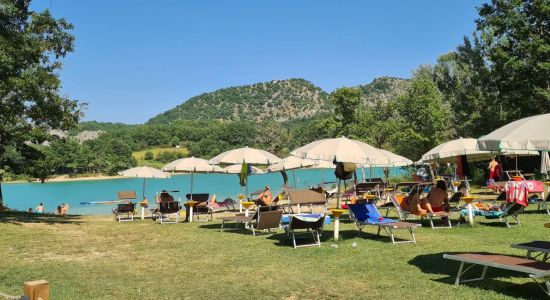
x: 191, y: 204
x: 535, y: 246
x: 247, y: 206
x: 337, y: 213
x: 468, y: 200
x: 143, y: 205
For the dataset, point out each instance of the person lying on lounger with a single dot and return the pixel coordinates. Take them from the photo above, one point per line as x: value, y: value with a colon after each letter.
x: 264, y: 198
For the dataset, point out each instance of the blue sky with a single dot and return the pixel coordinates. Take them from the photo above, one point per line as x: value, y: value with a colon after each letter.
x: 135, y: 59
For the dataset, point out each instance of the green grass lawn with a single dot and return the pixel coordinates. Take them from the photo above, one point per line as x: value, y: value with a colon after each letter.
x: 140, y: 156
x: 94, y: 257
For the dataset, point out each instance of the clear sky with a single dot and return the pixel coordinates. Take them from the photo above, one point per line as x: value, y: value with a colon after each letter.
x: 135, y: 59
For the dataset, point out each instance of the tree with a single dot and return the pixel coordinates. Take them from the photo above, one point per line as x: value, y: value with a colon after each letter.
x: 515, y: 38
x: 31, y: 45
x: 346, y: 101
x: 425, y: 118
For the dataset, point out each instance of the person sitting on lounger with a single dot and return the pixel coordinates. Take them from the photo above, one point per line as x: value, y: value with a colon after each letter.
x: 414, y: 203
x: 438, y: 199
x: 264, y: 198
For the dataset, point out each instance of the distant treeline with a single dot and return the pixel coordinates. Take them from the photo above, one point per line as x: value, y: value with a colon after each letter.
x: 499, y: 74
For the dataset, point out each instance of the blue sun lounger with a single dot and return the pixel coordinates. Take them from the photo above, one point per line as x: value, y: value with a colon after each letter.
x: 367, y: 214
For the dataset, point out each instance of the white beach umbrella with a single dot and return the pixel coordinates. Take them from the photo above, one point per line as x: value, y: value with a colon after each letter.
x: 530, y: 133
x: 144, y: 172
x: 394, y: 160
x: 323, y: 164
x: 192, y: 165
x: 448, y: 151
x: 342, y: 150
x: 290, y: 163
x: 247, y: 155
x: 236, y: 169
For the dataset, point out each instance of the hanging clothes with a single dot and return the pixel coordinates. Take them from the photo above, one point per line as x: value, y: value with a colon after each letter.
x: 516, y: 191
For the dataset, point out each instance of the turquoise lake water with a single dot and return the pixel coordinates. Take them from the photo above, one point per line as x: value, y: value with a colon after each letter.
x: 22, y: 196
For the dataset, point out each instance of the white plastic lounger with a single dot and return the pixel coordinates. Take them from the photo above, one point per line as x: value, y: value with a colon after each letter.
x: 536, y: 270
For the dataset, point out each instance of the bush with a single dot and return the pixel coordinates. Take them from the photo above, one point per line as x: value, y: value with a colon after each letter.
x: 148, y: 155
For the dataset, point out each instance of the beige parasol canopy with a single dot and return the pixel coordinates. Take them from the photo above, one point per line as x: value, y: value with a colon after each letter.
x: 191, y: 164
x: 247, y: 155
x: 342, y: 150
x: 236, y: 169
x: 144, y: 172
x: 530, y: 133
x: 448, y: 151
x: 290, y: 163
x: 394, y: 160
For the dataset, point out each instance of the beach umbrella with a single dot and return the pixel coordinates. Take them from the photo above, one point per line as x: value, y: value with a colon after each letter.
x: 244, y: 170
x: 393, y: 160
x: 525, y: 134
x: 290, y: 163
x: 192, y: 165
x: 246, y: 154
x: 249, y: 156
x: 448, y: 151
x: 144, y: 172
x: 341, y: 150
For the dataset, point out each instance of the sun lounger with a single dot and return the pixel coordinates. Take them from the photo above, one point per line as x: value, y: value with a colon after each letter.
x: 127, y: 208
x: 535, y: 269
x: 240, y: 218
x: 312, y: 223
x: 122, y: 209
x: 308, y: 198
x: 401, y: 208
x: 366, y: 214
x: 267, y: 220
x: 166, y: 209
x: 512, y: 210
x: 542, y: 247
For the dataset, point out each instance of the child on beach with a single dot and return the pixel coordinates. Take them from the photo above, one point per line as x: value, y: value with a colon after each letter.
x: 39, y: 209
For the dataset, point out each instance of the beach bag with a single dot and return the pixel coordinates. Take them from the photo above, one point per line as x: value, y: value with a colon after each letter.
x: 344, y: 171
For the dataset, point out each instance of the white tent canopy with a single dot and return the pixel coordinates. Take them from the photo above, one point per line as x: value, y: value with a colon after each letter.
x: 530, y: 133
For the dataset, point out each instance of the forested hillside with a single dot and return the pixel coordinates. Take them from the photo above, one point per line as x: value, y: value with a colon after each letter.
x: 278, y: 100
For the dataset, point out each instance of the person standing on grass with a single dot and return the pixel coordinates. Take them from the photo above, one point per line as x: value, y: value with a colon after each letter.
x: 492, y: 167
x: 39, y: 209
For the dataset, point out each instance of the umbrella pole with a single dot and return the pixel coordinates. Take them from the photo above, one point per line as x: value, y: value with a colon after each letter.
x: 143, y: 190
x: 192, y: 175
x: 339, y: 194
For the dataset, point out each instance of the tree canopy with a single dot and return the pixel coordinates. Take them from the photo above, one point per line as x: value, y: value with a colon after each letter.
x: 31, y: 46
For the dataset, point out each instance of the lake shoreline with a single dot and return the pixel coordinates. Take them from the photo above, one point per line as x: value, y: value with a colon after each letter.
x: 67, y: 178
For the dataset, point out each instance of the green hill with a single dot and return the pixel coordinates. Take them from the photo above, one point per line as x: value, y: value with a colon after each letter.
x: 383, y: 88
x: 279, y: 100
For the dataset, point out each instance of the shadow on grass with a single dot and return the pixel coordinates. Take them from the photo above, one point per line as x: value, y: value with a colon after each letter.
x: 18, y: 218
x: 435, y: 264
